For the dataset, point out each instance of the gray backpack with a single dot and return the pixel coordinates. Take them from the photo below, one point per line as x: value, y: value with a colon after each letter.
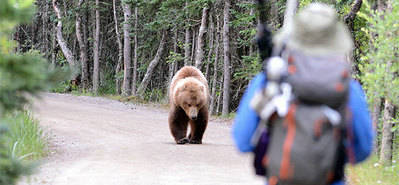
x: 305, y: 146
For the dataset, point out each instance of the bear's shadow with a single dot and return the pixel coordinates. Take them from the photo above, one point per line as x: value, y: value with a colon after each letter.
x: 203, y: 144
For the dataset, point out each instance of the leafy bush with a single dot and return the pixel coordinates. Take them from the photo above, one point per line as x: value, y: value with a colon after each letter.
x: 380, y: 64
x: 253, y: 66
x: 154, y: 95
x: 108, y: 86
x: 63, y: 87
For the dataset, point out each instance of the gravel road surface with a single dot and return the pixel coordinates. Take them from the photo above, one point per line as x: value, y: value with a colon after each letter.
x: 97, y: 141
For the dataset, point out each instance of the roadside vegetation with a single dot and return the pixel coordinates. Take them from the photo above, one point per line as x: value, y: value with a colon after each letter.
x: 25, y: 138
x: 372, y: 172
x: 23, y: 74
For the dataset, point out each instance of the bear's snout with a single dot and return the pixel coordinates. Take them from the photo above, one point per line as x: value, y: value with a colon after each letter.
x: 193, y: 113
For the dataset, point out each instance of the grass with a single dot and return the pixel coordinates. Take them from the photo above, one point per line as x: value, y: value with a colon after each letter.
x: 159, y: 98
x: 229, y: 116
x: 373, y: 173
x: 83, y: 93
x: 26, y: 139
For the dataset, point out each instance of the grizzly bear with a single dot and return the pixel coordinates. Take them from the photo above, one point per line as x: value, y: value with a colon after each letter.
x: 188, y: 98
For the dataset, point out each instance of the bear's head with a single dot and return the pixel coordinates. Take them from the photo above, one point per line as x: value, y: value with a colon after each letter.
x: 191, y: 96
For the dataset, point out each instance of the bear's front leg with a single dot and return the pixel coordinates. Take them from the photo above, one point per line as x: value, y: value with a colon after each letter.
x: 178, y: 122
x: 198, y: 126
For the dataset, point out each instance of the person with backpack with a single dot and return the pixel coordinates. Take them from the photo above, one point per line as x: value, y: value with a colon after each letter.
x: 303, y: 117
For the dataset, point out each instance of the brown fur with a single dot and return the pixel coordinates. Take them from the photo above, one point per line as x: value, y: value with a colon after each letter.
x: 189, y: 99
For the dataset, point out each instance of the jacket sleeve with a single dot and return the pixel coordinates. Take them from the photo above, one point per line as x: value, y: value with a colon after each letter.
x: 246, y: 120
x: 361, y: 131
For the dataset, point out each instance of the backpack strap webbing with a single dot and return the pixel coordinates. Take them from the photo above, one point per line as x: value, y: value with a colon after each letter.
x: 286, y: 169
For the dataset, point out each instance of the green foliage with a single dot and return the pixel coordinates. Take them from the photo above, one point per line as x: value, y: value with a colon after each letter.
x: 155, y: 95
x: 13, y: 12
x: 25, y: 138
x: 252, y: 67
x: 380, y: 65
x: 229, y: 116
x: 63, y: 87
x: 304, y: 3
x: 83, y: 93
x: 371, y: 172
x: 174, y: 57
x: 11, y: 167
x: 395, y: 120
x: 20, y: 75
x: 244, y: 22
x: 361, y: 38
x: 167, y: 14
x: 173, y: 13
x: 395, y: 130
x: 108, y: 87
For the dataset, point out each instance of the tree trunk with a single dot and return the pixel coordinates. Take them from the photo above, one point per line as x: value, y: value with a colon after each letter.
x: 187, y: 47
x: 45, y: 21
x: 127, y: 78
x: 376, y: 112
x: 292, y: 6
x: 226, y: 56
x: 375, y: 115
x: 276, y: 15
x: 211, y: 41
x: 63, y: 44
x: 187, y: 44
x: 199, y: 57
x: 120, y: 51
x: 386, y: 140
x: 151, y: 67
x: 16, y: 38
x: 350, y: 17
x: 33, y: 31
x: 215, y: 70
x: 83, y: 49
x: 219, y: 101
x: 134, y: 81
x: 53, y: 49
x: 387, y: 135
x: 96, y: 58
x: 253, y: 25
x: 172, y: 66
x: 65, y: 5
x: 381, y: 5
x: 85, y: 30
x: 193, y: 47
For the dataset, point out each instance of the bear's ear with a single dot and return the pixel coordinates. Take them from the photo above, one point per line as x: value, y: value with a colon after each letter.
x: 176, y: 95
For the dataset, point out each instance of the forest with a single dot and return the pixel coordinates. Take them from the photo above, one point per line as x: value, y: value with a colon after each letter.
x: 132, y: 49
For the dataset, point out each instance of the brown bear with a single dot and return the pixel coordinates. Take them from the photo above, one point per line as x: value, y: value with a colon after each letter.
x: 188, y: 98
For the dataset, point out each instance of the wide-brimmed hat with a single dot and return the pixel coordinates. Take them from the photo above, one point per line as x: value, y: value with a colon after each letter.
x: 316, y: 30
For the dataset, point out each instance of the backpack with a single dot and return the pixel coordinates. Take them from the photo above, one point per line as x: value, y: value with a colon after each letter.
x: 304, y: 146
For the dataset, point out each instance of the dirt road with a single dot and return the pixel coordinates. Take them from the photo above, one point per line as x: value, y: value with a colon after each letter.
x: 96, y: 141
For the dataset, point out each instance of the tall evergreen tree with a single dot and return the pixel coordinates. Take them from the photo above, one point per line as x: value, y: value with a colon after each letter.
x: 21, y: 74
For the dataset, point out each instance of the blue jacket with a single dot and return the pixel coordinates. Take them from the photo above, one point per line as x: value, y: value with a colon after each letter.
x: 247, y: 120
